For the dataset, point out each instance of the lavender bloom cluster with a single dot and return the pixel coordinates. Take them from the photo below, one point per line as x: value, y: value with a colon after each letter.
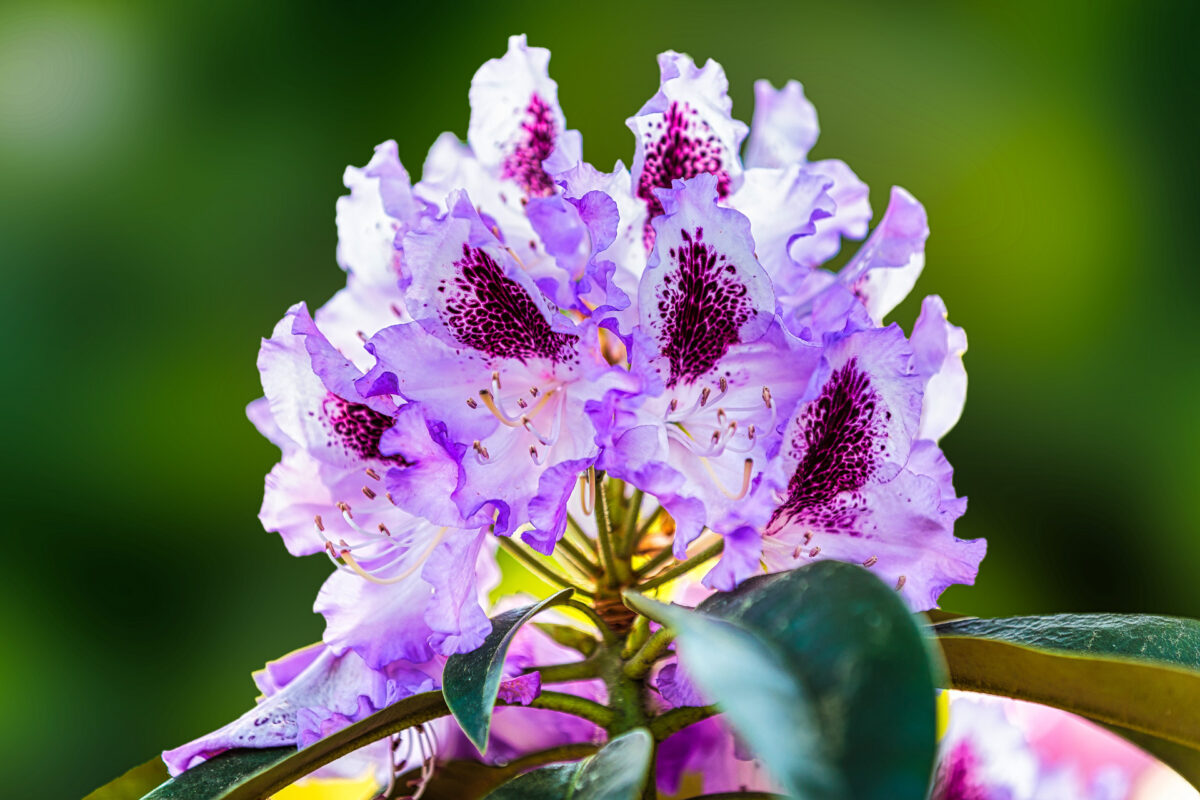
x: 519, y: 320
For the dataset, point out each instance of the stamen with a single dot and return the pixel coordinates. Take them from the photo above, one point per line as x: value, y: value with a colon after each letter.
x: 808, y: 536
x: 521, y: 402
x: 354, y: 565
x: 747, y: 472
x: 345, y: 509
x: 372, y: 474
x: 533, y: 453
x: 796, y: 552
x: 900, y: 583
x: 384, y: 530
x: 490, y: 402
x: 366, y: 490
x: 813, y: 553
x: 723, y: 384
x: 320, y: 524
x: 397, y: 310
x: 480, y: 449
x: 361, y: 335
x: 496, y: 381
x: 471, y: 402
x: 587, y: 491
x: 870, y: 562
x: 766, y: 396
x: 533, y: 391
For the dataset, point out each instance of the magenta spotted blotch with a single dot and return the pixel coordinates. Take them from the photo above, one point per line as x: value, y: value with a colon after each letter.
x: 681, y: 146
x: 524, y: 163
x: 703, y: 306
x: 487, y: 310
x: 835, y: 446
x: 358, y: 428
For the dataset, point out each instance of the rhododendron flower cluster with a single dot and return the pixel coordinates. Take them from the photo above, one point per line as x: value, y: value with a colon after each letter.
x: 616, y: 376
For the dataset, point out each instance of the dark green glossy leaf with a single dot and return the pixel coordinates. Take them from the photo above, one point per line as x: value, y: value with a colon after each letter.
x: 254, y: 774
x: 617, y: 772
x: 848, y: 640
x: 1138, y: 674
x: 471, y: 681
x: 134, y: 783
x: 546, y: 783
x: 760, y: 696
x: 569, y: 636
x: 1145, y: 637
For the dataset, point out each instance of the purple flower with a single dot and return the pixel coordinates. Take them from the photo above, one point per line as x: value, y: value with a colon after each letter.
x: 862, y: 488
x: 489, y: 356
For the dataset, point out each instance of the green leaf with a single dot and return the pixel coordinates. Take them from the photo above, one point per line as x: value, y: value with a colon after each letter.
x: 134, y: 783
x: 618, y: 772
x: 757, y: 692
x: 569, y: 636
x: 1138, y: 674
x: 254, y: 774
x: 471, y: 681
x: 847, y: 642
x: 546, y: 783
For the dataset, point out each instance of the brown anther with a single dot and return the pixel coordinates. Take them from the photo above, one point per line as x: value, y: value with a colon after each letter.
x: 723, y: 384
x: 320, y: 523
x: 496, y: 378
x: 521, y: 402
x: 813, y: 553
x: 900, y: 583
x: 674, y: 404
x: 716, y: 438
x: 766, y: 396
x: 345, y: 509
x: 366, y: 490
x: 721, y: 416
x: 533, y: 391
x: 870, y: 562
x: 796, y: 553
x: 750, y: 431
x: 807, y: 537
x: 397, y: 310
x: 479, y: 448
x: 388, y: 495
x: 383, y: 529
x: 372, y: 474
x: 361, y: 335
x: 533, y: 453
x: 704, y: 395
x: 472, y: 403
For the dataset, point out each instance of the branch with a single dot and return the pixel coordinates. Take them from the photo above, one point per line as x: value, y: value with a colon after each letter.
x: 687, y: 566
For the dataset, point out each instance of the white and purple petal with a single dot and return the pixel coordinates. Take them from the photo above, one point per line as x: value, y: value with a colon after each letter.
x: 685, y: 130
x: 939, y: 347
x: 784, y: 127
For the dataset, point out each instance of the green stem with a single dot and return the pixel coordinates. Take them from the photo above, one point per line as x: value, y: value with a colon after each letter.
x: 572, y: 704
x: 578, y: 557
x: 659, y: 558
x: 637, y: 636
x: 677, y: 719
x: 610, y: 638
x: 684, y: 567
x: 654, y: 649
x: 629, y: 541
x: 581, y: 540
x: 539, y: 568
x: 614, y: 575
x: 573, y: 671
x: 649, y: 523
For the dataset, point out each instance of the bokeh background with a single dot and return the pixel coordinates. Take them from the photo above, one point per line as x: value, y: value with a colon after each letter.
x: 167, y: 179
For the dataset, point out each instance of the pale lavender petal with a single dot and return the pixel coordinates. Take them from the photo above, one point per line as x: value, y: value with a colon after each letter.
x: 783, y: 205
x: 886, y: 267
x: 454, y: 615
x: 380, y: 203
x: 852, y: 214
x: 784, y: 127
x: 939, y: 348
x: 686, y: 130
x: 515, y: 117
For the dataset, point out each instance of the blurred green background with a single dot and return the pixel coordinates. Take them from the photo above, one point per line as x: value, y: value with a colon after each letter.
x: 167, y: 181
